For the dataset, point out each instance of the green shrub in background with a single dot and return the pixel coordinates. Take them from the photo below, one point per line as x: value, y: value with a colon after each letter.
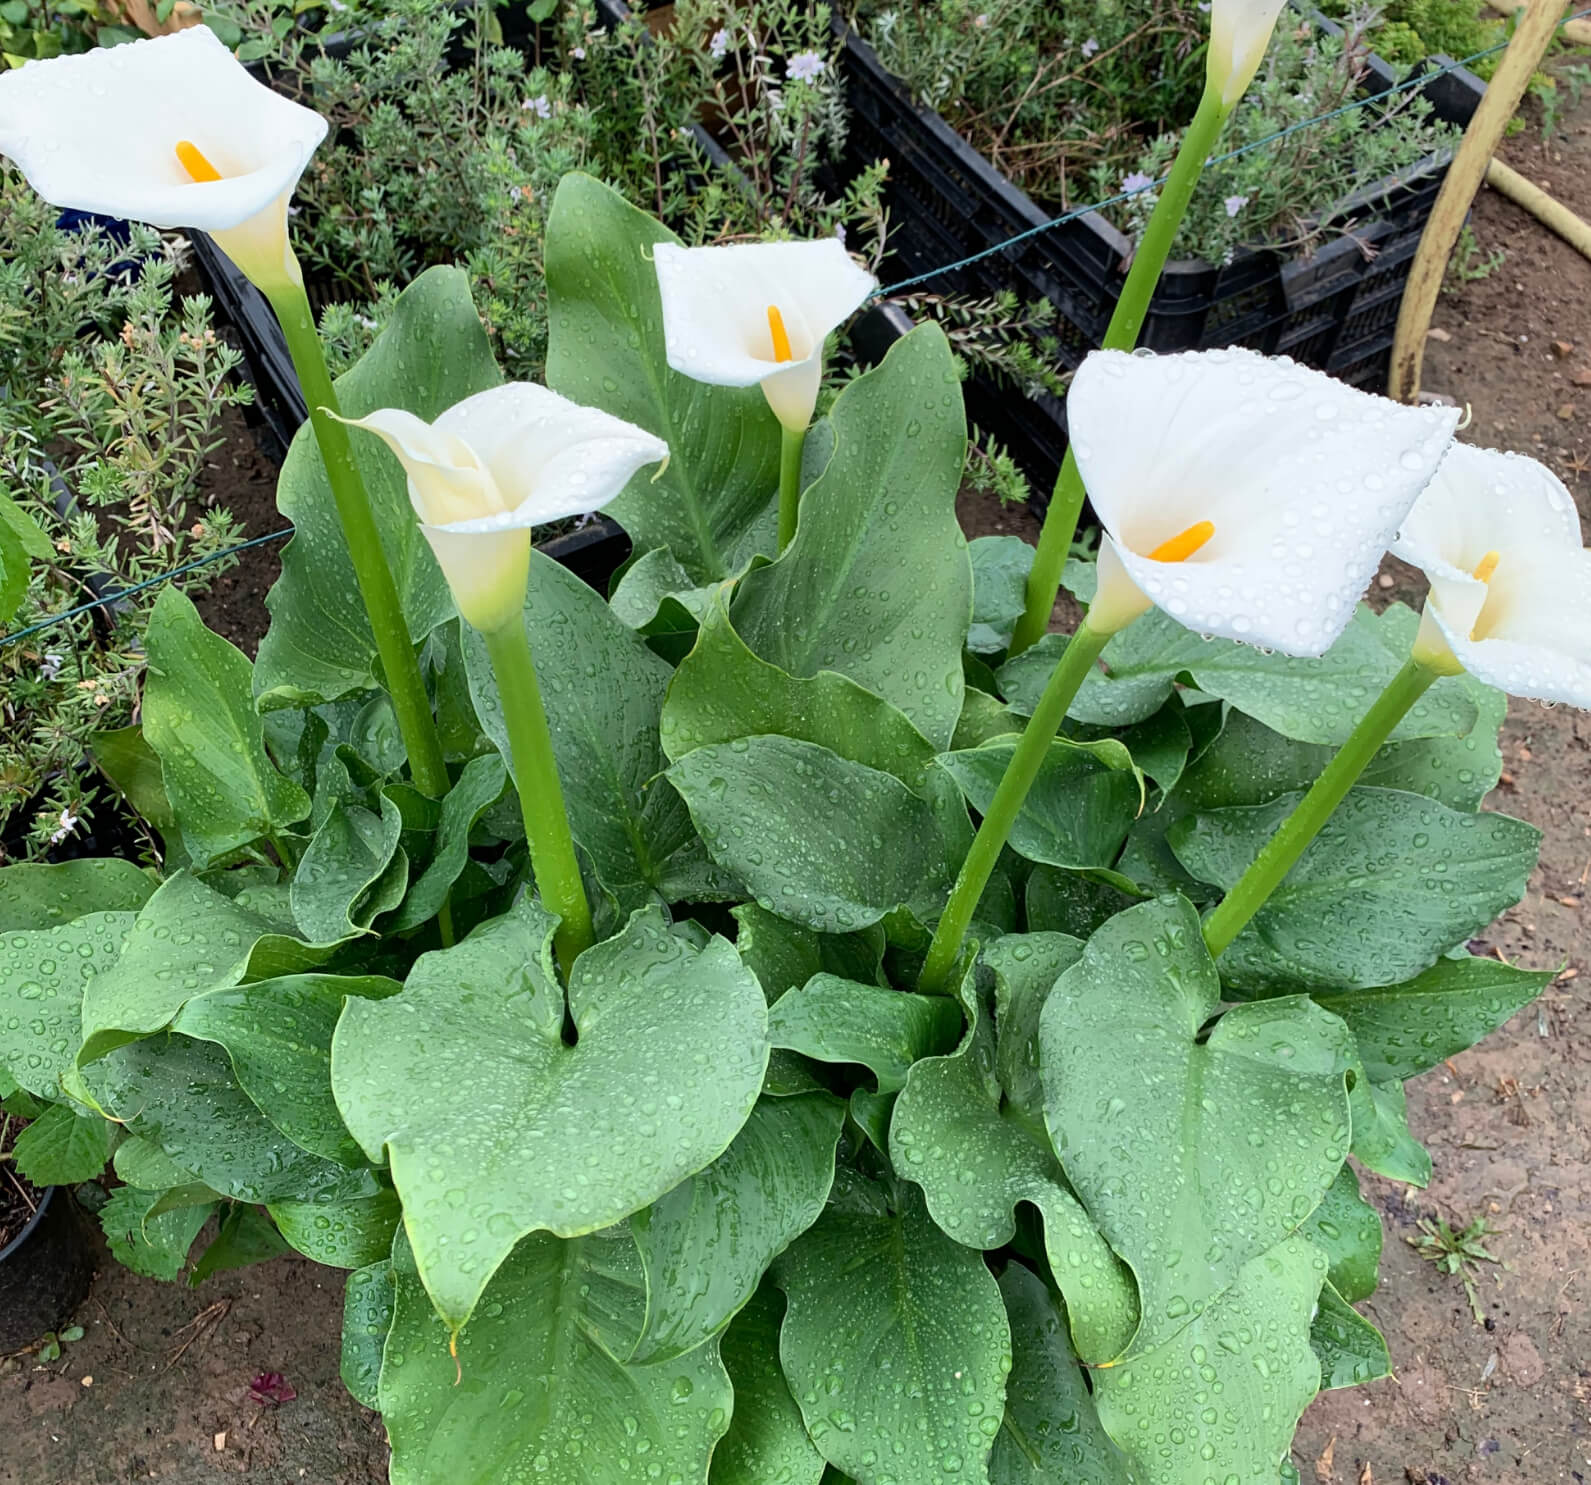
x: 1077, y: 101
x: 112, y: 389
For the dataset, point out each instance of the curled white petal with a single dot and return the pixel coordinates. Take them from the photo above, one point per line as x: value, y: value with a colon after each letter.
x: 1304, y: 480
x: 1240, y: 32
x: 716, y: 323
x: 1484, y: 500
x: 494, y: 466
x: 98, y: 132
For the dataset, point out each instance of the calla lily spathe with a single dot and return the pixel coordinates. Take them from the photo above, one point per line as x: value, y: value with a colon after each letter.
x: 1246, y: 495
x: 757, y: 314
x: 1510, y: 602
x: 496, y: 465
x: 1240, y: 32
x: 172, y: 131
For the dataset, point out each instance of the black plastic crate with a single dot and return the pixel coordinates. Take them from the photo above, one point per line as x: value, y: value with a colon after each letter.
x: 1335, y: 310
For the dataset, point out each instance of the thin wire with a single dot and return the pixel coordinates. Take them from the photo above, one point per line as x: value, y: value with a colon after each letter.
x: 1071, y: 216
x: 1406, y: 85
x: 154, y: 582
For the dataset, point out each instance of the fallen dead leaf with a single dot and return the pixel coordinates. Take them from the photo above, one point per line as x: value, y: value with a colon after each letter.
x: 1436, y: 334
x: 1323, y: 1470
x: 1562, y: 349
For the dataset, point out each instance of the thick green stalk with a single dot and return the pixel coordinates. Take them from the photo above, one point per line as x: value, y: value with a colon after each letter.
x: 393, y: 644
x: 1292, y: 838
x: 1081, y: 653
x: 790, y: 484
x: 1126, y: 320
x: 552, y: 848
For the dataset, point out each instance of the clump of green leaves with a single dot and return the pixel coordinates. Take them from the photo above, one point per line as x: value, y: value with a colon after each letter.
x: 1460, y: 1253
x: 1076, y: 102
x: 111, y: 394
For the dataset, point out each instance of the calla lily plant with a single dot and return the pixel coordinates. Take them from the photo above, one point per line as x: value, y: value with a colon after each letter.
x: 785, y: 1028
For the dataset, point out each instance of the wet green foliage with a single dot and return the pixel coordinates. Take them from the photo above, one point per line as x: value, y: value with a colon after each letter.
x: 736, y: 1204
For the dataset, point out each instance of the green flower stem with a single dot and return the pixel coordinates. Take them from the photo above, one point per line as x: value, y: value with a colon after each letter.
x: 1126, y: 320
x: 1081, y: 653
x: 1282, y: 850
x: 393, y: 644
x: 552, y: 848
x: 790, y: 483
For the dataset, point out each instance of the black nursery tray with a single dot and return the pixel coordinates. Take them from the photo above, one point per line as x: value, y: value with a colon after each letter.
x: 1336, y: 310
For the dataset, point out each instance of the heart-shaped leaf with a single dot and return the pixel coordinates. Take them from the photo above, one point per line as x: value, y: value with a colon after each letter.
x: 883, y: 1030
x: 464, y: 1082
x: 1193, y: 1154
x: 767, y: 1442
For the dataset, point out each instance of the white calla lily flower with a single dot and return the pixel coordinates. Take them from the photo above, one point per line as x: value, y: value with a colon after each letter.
x: 757, y: 314
x: 1510, y: 602
x: 1240, y: 32
x: 1245, y: 495
x: 172, y: 131
x: 496, y: 465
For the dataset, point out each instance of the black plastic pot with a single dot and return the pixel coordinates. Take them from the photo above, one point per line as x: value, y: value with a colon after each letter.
x: 1454, y: 92
x: 45, y: 1272
x: 1336, y: 310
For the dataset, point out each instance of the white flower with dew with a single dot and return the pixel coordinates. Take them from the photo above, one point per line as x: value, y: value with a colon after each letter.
x: 1245, y: 495
x: 69, y: 823
x: 1510, y: 602
x: 538, y: 106
x: 1089, y: 47
x: 172, y: 131
x: 804, y: 67
x: 757, y: 315
x: 1137, y: 181
x: 719, y: 45
x: 51, y: 665
x: 1240, y: 31
x: 1234, y: 204
x: 495, y: 466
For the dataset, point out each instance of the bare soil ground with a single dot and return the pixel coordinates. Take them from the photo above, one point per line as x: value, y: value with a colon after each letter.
x: 159, y: 1387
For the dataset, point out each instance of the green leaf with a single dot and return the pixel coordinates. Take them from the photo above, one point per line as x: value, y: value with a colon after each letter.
x: 722, y: 691
x: 199, y: 718
x: 1351, y: 1350
x: 883, y: 1030
x: 479, y: 787
x: 246, y: 1238
x: 15, y: 570
x: 1192, y: 1154
x: 603, y: 690
x: 1347, y: 1229
x: 1381, y: 1137
x: 31, y: 539
x: 1249, y: 1349
x: 133, y: 767
x: 816, y: 838
x: 1050, y: 1434
x: 1250, y: 764
x: 141, y: 1162
x: 368, y: 1302
x: 878, y: 570
x: 976, y: 1160
x: 1159, y: 745
x: 345, y: 1234
x: 182, y: 1095
x: 62, y: 1147
x: 1073, y: 903
x: 1000, y: 567
x: 42, y: 975
x: 431, y: 353
x: 785, y: 955
x: 337, y: 889
x: 1318, y: 701
x: 1079, y: 809
x: 714, y: 505
x: 706, y: 1244
x: 278, y: 1034
x: 1405, y: 1029
x: 187, y: 940
x: 541, y: 1397
x: 1025, y: 967
x: 470, y: 1060
x: 1390, y: 883
x: 767, y: 1442
x: 895, y: 1344
x: 155, y: 1246
x: 656, y: 595
x: 34, y: 896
